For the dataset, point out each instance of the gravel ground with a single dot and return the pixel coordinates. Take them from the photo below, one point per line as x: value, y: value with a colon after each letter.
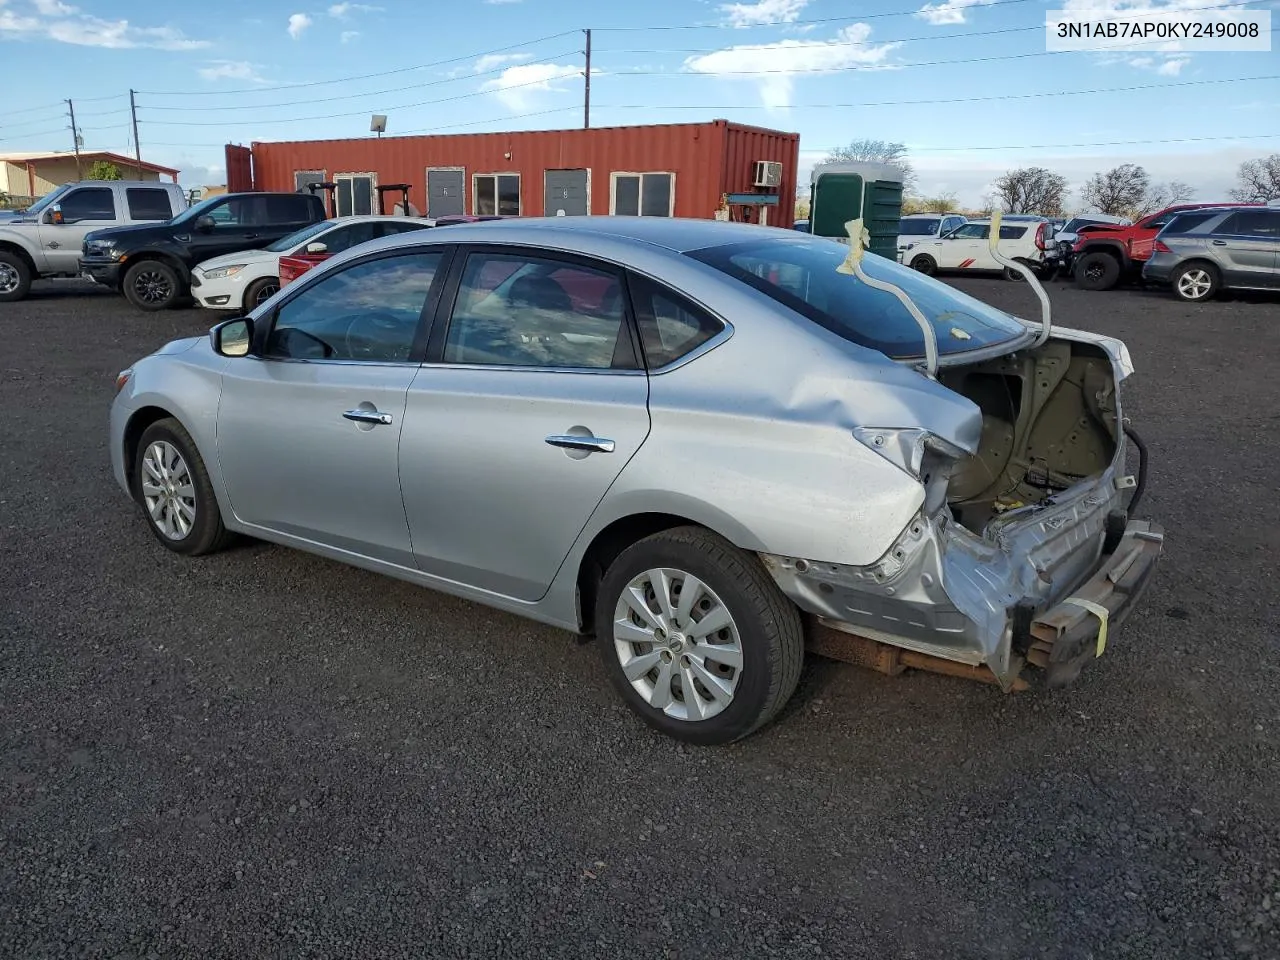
x: 264, y: 754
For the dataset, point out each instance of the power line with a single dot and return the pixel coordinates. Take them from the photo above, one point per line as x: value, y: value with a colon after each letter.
x: 348, y: 96
x: 934, y: 100
x: 790, y: 23
x: 1067, y: 146
x: 365, y: 76
x: 355, y: 113
x: 38, y: 133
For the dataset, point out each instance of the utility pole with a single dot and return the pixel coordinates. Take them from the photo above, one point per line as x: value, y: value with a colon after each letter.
x: 137, y: 150
x: 586, y: 93
x: 75, y: 139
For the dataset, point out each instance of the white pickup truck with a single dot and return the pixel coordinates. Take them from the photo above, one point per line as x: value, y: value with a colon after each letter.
x: 46, y: 239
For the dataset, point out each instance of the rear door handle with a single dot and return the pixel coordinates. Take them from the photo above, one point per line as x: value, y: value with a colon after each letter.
x: 367, y: 416
x: 572, y: 442
x: 1219, y: 243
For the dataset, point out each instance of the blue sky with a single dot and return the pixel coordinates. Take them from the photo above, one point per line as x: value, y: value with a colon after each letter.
x: 830, y: 70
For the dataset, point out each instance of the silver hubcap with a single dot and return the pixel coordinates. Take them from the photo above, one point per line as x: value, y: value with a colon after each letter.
x: 168, y: 491
x: 1194, y: 284
x: 152, y: 286
x: 9, y: 278
x: 678, y: 644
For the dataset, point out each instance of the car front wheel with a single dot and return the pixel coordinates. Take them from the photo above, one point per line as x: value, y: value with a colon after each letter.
x: 1097, y: 271
x: 259, y: 292
x: 173, y: 486
x: 925, y: 264
x: 152, y: 285
x: 696, y: 637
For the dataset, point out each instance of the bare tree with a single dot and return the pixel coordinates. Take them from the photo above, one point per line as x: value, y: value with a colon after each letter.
x: 1161, y: 195
x: 1118, y: 192
x: 1030, y: 190
x: 1259, y: 180
x: 1127, y: 191
x: 878, y: 151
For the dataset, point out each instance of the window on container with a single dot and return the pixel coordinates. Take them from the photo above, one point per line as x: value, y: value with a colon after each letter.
x: 148, y: 203
x: 497, y: 194
x: 643, y: 194
x: 303, y: 177
x: 355, y: 193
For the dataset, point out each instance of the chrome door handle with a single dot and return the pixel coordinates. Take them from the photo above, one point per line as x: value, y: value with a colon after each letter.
x: 571, y: 442
x: 1219, y: 243
x: 367, y: 416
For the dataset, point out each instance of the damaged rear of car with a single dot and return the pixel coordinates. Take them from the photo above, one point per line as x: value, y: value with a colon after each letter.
x: 1025, y: 552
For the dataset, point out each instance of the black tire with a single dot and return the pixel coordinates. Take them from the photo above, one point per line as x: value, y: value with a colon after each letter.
x: 768, y: 626
x: 13, y: 288
x: 1097, y: 271
x: 1180, y: 281
x: 259, y: 291
x: 206, y: 533
x: 925, y: 264
x: 1013, y: 276
x: 153, y: 285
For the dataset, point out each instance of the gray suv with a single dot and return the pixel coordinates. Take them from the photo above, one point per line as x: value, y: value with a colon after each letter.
x: 1201, y: 252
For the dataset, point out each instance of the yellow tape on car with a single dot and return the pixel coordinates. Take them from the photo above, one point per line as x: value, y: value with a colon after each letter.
x: 859, y: 239
x: 1099, y: 611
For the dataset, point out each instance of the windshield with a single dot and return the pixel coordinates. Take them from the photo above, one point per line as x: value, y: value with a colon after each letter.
x: 199, y: 209
x: 48, y: 198
x: 801, y: 274
x: 299, y: 236
x: 917, y: 228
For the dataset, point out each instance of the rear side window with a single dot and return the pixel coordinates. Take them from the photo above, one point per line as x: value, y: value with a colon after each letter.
x: 670, y: 326
x: 148, y: 203
x: 800, y: 274
x: 1008, y: 232
x: 1186, y: 222
x: 89, y: 203
x: 344, y: 238
x: 290, y: 208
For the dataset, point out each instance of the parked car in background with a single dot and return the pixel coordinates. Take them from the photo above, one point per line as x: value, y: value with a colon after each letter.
x: 1201, y: 253
x: 918, y: 227
x: 1106, y: 255
x: 1066, y: 233
x: 540, y: 415
x: 803, y: 226
x: 455, y: 218
x: 968, y: 248
x: 45, y: 239
x: 151, y: 265
x: 240, y: 281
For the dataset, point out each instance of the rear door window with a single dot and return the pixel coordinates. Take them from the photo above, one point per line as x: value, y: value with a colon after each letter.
x: 148, y: 203
x: 294, y: 208
x: 800, y: 274
x: 1263, y: 224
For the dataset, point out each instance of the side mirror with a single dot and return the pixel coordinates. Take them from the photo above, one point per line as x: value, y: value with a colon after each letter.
x: 232, y: 338
x: 205, y: 224
x: 317, y: 247
x: 55, y: 214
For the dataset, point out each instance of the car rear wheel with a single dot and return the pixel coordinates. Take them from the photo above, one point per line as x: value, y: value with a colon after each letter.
x: 1097, y: 271
x: 925, y: 264
x: 1195, y: 282
x: 176, y: 494
x: 259, y: 292
x: 15, y: 277
x: 696, y: 637
x: 152, y: 285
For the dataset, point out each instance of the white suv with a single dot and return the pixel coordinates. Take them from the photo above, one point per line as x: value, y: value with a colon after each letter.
x: 915, y: 227
x: 968, y: 248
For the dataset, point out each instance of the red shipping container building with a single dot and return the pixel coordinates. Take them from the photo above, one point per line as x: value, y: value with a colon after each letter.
x: 682, y: 170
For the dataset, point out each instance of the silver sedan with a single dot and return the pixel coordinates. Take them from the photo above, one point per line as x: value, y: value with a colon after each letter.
x: 707, y: 444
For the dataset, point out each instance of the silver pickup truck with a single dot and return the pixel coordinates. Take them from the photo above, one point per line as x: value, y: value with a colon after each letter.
x: 46, y: 239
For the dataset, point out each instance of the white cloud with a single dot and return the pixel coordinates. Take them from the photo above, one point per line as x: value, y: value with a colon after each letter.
x: 516, y: 85
x: 763, y: 11
x: 948, y: 11
x: 786, y: 58
x: 348, y: 35
x: 491, y: 61
x: 66, y: 24
x: 340, y: 11
x: 298, y: 22
x: 231, y: 70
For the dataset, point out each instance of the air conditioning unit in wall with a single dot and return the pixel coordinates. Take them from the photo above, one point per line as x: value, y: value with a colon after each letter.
x: 768, y: 174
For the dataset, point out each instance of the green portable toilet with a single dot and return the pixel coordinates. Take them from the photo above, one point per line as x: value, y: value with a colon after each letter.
x: 840, y: 192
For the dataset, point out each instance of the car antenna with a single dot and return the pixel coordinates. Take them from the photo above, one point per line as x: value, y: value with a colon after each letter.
x: 993, y: 239
x: 852, y: 264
